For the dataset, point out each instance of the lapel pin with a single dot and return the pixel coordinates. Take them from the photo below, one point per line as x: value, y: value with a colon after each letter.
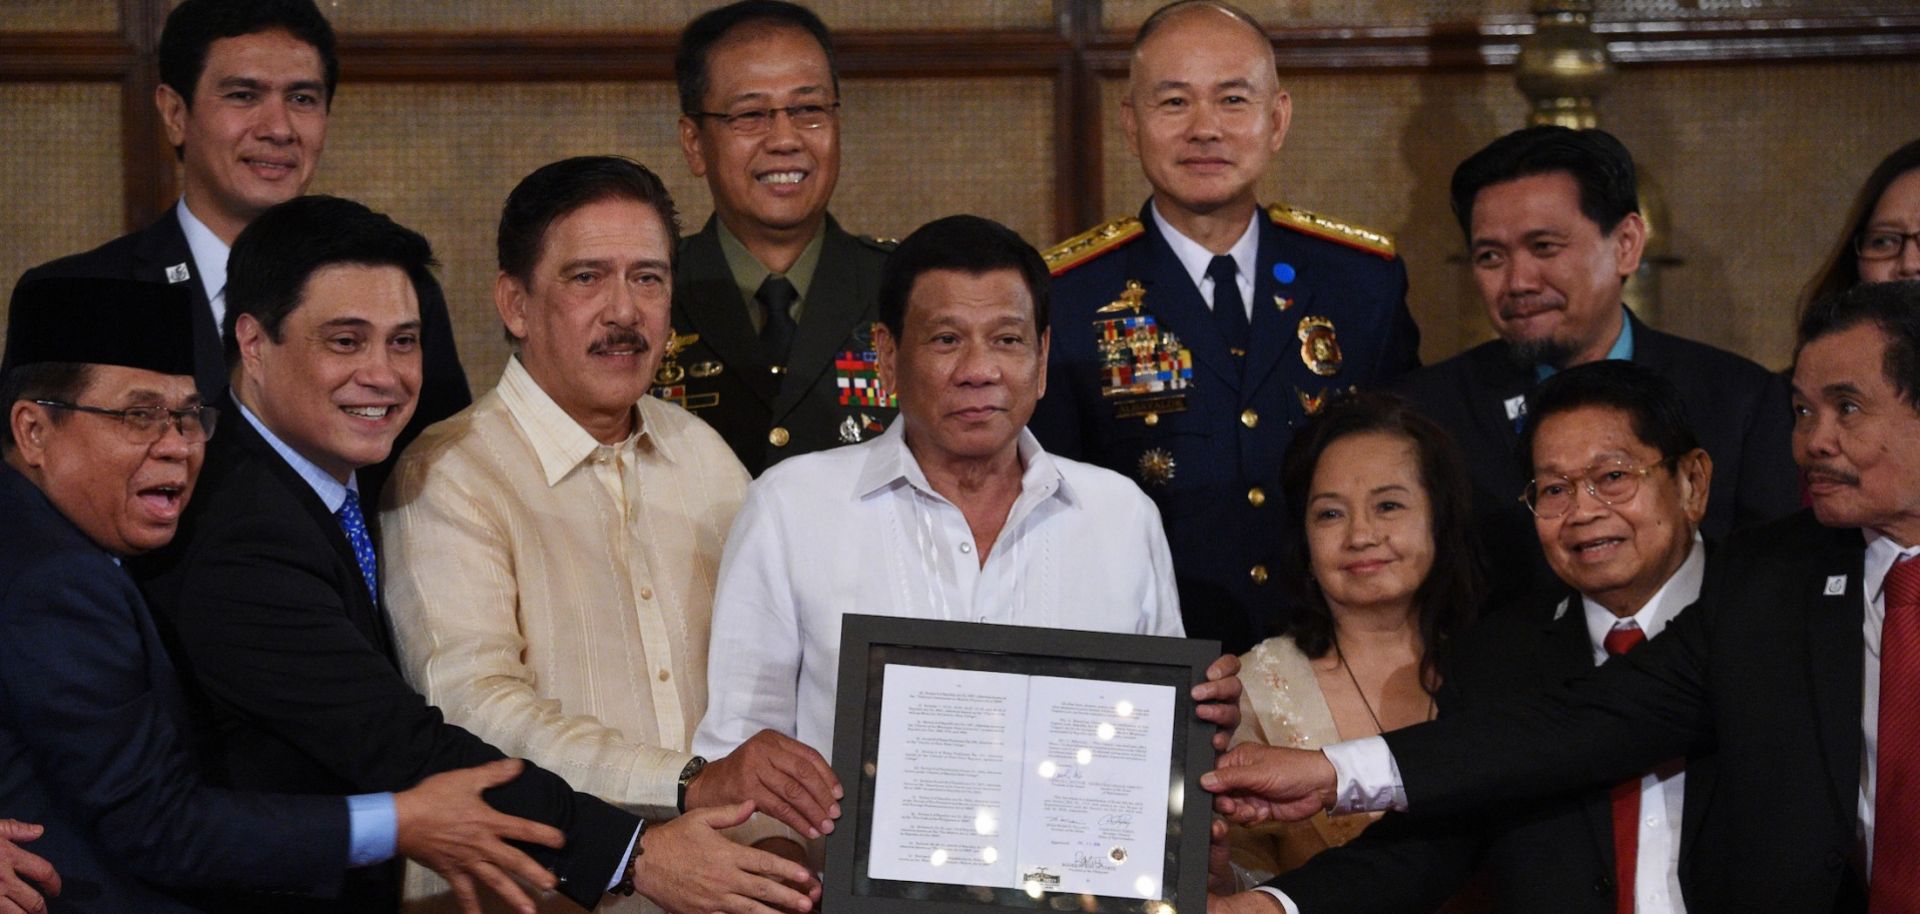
x: 178, y: 273
x: 1516, y: 407
x: 1836, y: 585
x: 1284, y: 273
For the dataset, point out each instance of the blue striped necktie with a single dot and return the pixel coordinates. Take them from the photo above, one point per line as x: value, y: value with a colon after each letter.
x: 354, y: 524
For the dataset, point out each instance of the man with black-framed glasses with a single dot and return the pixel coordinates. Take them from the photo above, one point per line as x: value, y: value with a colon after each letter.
x: 782, y: 300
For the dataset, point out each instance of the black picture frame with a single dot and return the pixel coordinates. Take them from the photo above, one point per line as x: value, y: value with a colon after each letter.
x: 869, y: 643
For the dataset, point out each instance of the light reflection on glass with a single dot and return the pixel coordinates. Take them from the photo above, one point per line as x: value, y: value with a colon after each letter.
x: 985, y: 822
x: 1104, y: 731
x: 989, y: 853
x: 1084, y: 756
x: 1048, y: 769
x: 939, y: 857
x: 1145, y: 885
x: 1124, y: 708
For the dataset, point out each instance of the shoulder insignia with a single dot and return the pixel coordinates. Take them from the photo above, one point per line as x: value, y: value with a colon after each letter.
x: 884, y: 244
x: 1353, y: 236
x: 1091, y: 243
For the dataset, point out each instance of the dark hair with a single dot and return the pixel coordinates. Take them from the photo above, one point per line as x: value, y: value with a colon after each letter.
x: 1449, y: 598
x: 713, y: 26
x: 555, y: 190
x: 195, y: 25
x: 1593, y: 158
x: 1651, y: 402
x: 1160, y: 16
x: 1842, y: 269
x: 62, y: 381
x: 278, y: 252
x: 966, y: 244
x: 1894, y: 307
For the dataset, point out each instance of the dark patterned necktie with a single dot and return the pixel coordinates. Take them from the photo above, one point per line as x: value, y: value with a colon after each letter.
x: 777, y: 296
x: 1229, y: 309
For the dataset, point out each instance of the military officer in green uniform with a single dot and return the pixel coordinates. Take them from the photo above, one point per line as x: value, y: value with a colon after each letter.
x: 1190, y: 342
x: 773, y: 302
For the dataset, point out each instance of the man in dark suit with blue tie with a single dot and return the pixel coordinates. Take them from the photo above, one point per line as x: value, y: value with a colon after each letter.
x: 246, y: 87
x: 1189, y: 343
x: 103, y: 443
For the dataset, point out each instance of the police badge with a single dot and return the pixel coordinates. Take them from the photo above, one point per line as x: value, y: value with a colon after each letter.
x: 1319, y: 348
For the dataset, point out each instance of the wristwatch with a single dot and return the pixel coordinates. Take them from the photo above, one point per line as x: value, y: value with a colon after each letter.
x: 687, y: 774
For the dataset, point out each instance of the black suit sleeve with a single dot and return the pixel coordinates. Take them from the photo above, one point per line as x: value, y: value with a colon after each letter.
x: 1769, y: 483
x: 76, y: 681
x: 268, y: 638
x: 1641, y: 709
x: 1400, y: 350
x: 1397, y: 864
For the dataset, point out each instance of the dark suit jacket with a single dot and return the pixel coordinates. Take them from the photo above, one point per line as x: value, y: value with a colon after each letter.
x: 1738, y: 411
x: 743, y: 400
x: 147, y: 254
x: 92, y: 739
x: 1216, y: 532
x: 291, y: 666
x: 1766, y: 668
x: 1553, y: 855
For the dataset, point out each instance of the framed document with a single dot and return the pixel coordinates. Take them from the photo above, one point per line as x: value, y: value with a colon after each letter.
x: 999, y: 767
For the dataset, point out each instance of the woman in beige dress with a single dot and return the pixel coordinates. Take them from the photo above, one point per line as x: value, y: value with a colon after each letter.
x: 1386, y: 575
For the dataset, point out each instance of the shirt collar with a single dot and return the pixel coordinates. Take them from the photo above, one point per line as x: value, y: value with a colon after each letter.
x: 1882, y: 554
x: 332, y: 492
x: 1676, y: 594
x: 558, y: 441
x: 890, y: 462
x: 748, y: 272
x: 1195, y: 259
x: 1622, y: 350
x: 209, y: 252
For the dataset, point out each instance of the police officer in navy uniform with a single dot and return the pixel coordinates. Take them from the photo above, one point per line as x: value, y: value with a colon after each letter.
x: 773, y: 302
x: 1191, y: 341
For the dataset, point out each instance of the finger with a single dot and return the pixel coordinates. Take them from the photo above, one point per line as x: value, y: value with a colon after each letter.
x: 37, y: 869
x: 764, y: 863
x: 514, y: 828
x: 498, y: 772
x: 812, y: 786
x: 773, y: 893
x: 1220, y: 713
x: 821, y: 769
x: 508, y: 890
x: 463, y: 891
x: 1220, y: 739
x: 523, y: 867
x: 17, y: 897
x: 776, y: 806
x: 16, y: 830
x: 1226, y: 666
x: 718, y: 817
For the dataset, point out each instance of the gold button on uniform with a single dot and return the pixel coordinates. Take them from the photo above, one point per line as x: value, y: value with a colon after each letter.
x: 778, y: 437
x: 646, y: 593
x: 1258, y: 574
x: 1249, y: 418
x: 1151, y: 419
x: 1256, y: 496
x: 664, y: 675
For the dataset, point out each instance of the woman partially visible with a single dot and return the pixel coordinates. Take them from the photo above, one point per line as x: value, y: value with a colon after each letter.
x: 1882, y: 239
x: 1386, y: 575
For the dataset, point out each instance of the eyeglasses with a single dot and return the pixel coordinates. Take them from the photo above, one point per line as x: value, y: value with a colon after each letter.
x: 1883, y: 245
x: 147, y: 424
x: 760, y: 120
x: 1609, y: 483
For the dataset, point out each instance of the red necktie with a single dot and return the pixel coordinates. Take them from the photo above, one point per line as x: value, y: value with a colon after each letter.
x: 1625, y: 795
x: 1895, y: 883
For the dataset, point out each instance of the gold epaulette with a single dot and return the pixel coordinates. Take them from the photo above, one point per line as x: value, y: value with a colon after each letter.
x: 1091, y: 243
x: 1353, y: 236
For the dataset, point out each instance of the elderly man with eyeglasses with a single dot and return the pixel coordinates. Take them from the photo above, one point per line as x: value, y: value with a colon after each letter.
x: 781, y: 299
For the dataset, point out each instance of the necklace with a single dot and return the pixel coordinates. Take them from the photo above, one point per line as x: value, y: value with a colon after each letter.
x: 1363, y: 692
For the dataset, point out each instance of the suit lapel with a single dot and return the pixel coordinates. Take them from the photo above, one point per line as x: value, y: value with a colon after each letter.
x: 1273, y: 338
x: 834, y: 306
x: 1569, y: 654
x: 163, y: 247
x: 1175, y: 302
x: 717, y: 312
x: 1501, y: 387
x: 1834, y: 661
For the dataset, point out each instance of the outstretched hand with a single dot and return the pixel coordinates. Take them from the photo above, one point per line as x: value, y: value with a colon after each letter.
x: 688, y: 867
x: 783, y: 778
x: 446, y: 827
x: 1253, y: 784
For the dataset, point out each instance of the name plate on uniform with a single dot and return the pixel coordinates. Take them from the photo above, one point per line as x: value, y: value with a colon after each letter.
x: 999, y: 767
x: 1148, y: 406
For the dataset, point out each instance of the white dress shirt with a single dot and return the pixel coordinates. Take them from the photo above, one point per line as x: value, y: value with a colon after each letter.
x: 858, y: 529
x: 210, y: 258
x: 1195, y: 259
x: 1656, y: 879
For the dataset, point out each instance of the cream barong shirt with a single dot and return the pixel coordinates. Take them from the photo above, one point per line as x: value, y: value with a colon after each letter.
x: 553, y: 594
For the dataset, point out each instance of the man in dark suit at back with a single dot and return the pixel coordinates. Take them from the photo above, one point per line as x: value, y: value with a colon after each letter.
x: 103, y: 442
x: 1799, y: 665
x: 1619, y: 487
x: 270, y: 595
x: 1553, y: 229
x: 245, y: 90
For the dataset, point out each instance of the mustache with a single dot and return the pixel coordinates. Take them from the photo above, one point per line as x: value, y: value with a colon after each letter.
x: 620, y: 338
x: 1514, y: 307
x: 1824, y: 473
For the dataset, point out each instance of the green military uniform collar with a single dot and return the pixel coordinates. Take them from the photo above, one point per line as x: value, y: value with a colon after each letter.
x: 749, y: 272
